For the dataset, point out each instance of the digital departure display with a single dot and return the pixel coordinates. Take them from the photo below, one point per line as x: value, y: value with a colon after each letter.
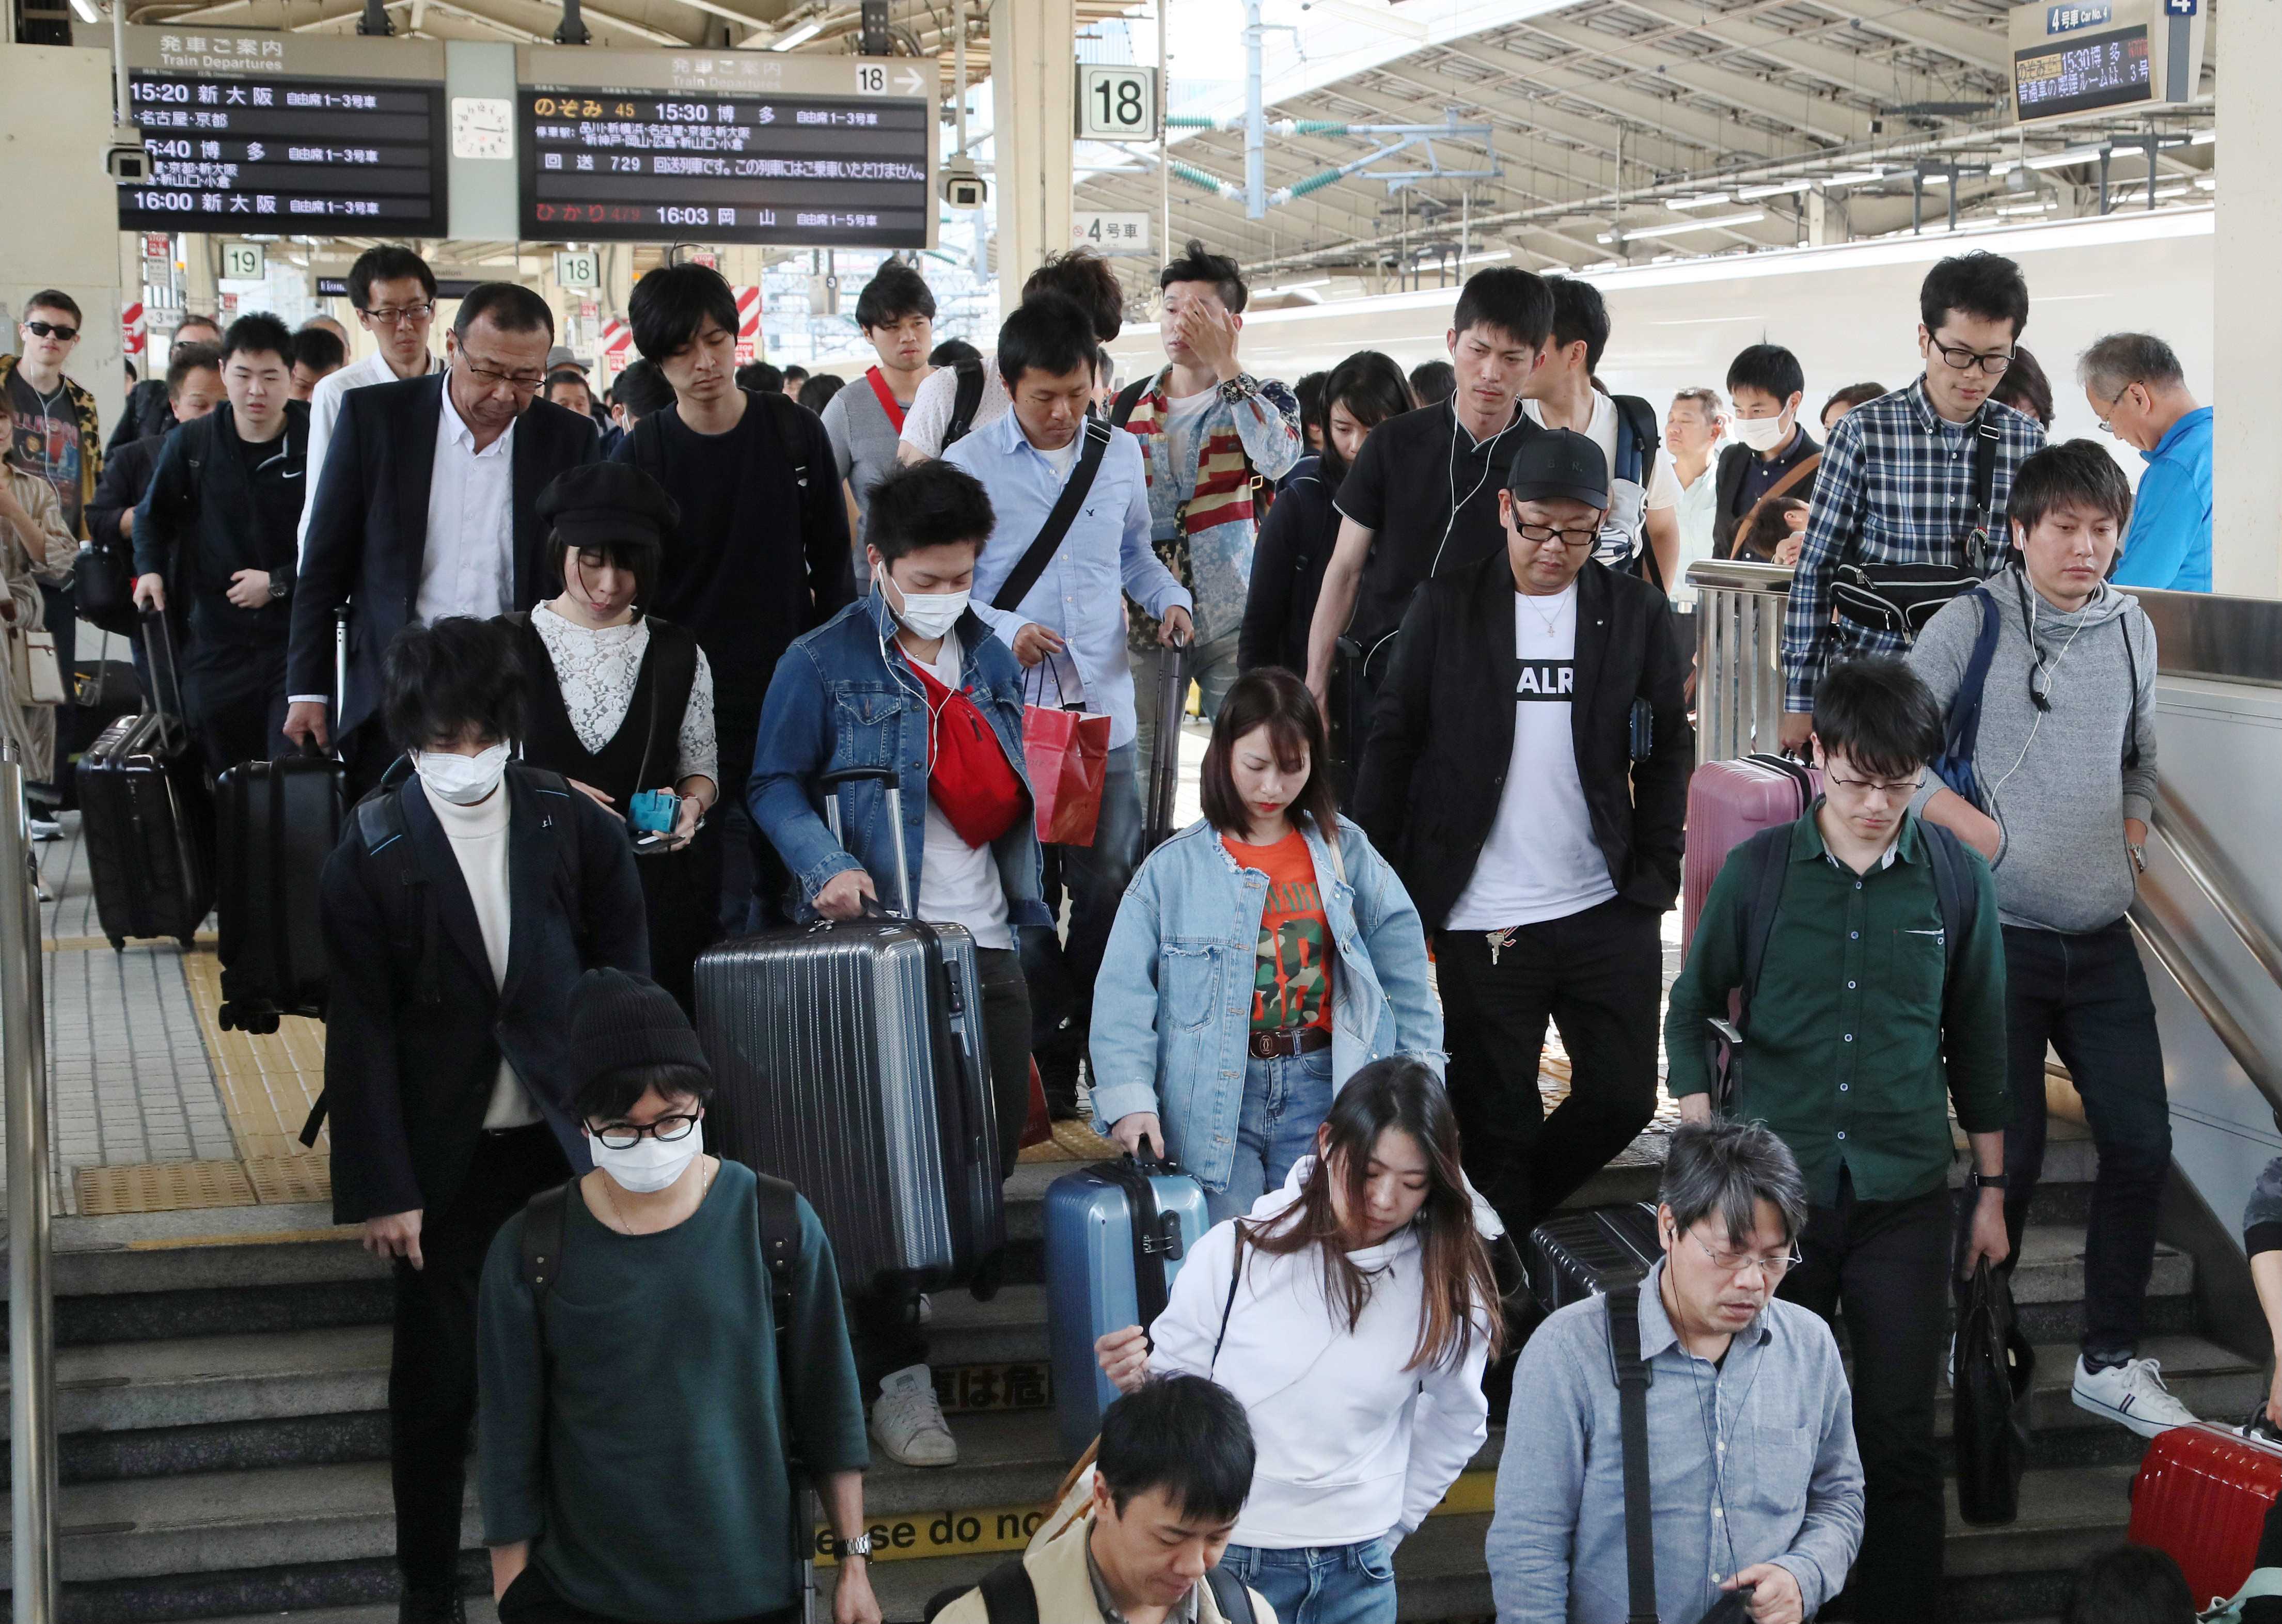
x: 238, y: 141
x: 730, y: 159
x: 2082, y: 75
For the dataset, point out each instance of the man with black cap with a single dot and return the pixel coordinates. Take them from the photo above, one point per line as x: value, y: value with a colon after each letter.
x: 1541, y: 844
x: 465, y: 899
x: 634, y: 1438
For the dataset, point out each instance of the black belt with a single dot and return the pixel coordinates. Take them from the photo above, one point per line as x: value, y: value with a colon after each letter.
x: 1290, y: 1040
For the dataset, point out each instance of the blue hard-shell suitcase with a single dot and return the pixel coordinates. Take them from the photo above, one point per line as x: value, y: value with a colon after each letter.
x: 1115, y: 1234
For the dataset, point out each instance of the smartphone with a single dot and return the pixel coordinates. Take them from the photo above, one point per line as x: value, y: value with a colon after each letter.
x: 656, y: 810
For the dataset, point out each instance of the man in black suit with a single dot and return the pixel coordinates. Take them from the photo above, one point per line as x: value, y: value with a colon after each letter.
x: 460, y: 908
x: 424, y: 509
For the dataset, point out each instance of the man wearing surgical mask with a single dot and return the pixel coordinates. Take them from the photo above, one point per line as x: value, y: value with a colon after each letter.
x: 912, y: 679
x: 1772, y: 456
x: 463, y: 903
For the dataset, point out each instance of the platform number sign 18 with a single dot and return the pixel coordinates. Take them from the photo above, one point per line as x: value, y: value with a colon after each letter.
x: 1116, y: 102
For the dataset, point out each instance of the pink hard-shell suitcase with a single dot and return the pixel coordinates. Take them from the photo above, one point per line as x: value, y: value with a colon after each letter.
x: 1728, y: 802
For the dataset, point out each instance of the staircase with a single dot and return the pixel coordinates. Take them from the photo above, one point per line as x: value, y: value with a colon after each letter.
x: 222, y: 1377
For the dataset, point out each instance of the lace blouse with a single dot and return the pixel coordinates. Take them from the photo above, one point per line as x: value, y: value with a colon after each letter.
x: 598, y: 670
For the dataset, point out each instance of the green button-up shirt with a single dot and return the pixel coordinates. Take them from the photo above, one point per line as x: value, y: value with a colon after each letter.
x: 1854, y: 1013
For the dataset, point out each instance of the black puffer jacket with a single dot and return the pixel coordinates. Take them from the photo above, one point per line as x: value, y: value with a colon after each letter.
x: 1441, y: 736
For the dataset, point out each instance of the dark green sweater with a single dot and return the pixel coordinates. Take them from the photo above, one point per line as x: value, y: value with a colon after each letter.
x: 1845, y: 1053
x: 647, y: 1465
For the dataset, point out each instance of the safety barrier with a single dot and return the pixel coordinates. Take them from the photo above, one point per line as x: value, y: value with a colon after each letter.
x: 31, y: 1292
x: 1739, y: 689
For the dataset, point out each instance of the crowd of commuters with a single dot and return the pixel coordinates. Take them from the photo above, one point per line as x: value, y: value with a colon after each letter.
x: 719, y: 587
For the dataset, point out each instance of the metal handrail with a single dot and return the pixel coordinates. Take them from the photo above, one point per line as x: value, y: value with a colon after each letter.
x: 2190, y: 843
x: 31, y: 1292
x: 2173, y: 957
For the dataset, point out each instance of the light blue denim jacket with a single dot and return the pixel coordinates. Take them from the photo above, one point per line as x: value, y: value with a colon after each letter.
x: 833, y: 704
x: 1172, y: 1007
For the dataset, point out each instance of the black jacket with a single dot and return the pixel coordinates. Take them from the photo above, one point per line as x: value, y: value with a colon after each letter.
x: 146, y: 414
x: 126, y: 471
x: 369, y: 529
x: 1734, y: 462
x: 206, y: 516
x: 414, y: 1028
x: 1287, y: 572
x: 1441, y: 736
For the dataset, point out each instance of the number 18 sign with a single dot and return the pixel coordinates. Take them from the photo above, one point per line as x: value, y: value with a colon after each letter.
x: 1116, y: 102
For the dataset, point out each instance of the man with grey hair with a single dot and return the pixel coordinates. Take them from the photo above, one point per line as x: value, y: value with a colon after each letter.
x: 2137, y: 390
x: 1748, y: 1416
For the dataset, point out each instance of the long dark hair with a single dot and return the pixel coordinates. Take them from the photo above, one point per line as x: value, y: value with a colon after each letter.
x: 1373, y: 389
x: 1460, y: 1291
x: 1271, y: 697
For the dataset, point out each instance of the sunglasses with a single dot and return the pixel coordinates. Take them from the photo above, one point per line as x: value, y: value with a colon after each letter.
x: 50, y: 329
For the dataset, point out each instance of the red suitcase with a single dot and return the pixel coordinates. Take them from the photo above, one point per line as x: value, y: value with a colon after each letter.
x: 1728, y: 802
x: 2202, y: 1495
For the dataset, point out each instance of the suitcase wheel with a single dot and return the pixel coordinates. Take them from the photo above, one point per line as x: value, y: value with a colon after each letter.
x: 987, y: 1275
x: 119, y: 944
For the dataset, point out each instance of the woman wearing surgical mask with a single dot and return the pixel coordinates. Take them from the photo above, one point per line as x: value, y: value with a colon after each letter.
x: 911, y: 681
x: 621, y: 703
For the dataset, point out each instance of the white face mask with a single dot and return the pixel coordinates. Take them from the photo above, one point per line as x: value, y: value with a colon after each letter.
x: 648, y: 1165
x: 1763, y: 434
x: 929, y: 614
x: 462, y: 780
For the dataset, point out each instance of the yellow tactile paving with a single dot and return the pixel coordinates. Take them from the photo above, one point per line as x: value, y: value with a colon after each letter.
x: 267, y: 1083
x: 162, y: 1186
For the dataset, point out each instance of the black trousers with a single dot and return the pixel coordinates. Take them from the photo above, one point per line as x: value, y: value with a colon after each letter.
x: 236, y: 700
x: 531, y: 1599
x: 1061, y: 971
x: 431, y: 1371
x: 1598, y: 976
x: 1884, y: 1265
x: 2086, y: 994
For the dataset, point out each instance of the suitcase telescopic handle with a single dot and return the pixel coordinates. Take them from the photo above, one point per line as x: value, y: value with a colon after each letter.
x: 340, y: 673
x: 831, y: 783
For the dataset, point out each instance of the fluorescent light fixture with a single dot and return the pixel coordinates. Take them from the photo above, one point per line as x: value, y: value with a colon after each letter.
x: 2060, y: 160
x: 2044, y: 207
x: 1678, y: 227
x: 2202, y: 137
x: 807, y: 31
x: 85, y: 11
x: 1294, y: 287
x: 1490, y: 258
x: 1855, y: 177
x: 2206, y: 183
x: 1701, y: 201
x: 1774, y: 189
x: 1937, y: 177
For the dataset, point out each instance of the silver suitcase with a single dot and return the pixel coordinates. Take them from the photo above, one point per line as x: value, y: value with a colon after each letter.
x: 849, y: 1058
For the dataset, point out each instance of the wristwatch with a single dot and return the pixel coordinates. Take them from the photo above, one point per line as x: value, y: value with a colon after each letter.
x: 280, y: 589
x: 1243, y: 386
x: 1976, y: 1180
x: 860, y: 1546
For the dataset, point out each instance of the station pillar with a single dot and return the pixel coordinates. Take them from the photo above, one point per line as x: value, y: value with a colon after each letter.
x: 1033, y: 90
x: 2246, y: 475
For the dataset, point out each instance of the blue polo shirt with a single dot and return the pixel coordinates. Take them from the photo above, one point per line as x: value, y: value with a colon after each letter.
x: 2170, y: 542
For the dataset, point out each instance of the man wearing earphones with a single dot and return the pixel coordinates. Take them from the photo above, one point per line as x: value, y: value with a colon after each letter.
x: 2063, y: 782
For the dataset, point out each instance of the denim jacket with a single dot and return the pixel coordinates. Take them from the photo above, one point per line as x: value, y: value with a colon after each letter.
x: 1172, y: 1007
x: 834, y: 704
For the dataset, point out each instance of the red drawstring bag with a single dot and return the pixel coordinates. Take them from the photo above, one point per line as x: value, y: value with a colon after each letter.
x: 1068, y: 754
x: 1038, y: 1126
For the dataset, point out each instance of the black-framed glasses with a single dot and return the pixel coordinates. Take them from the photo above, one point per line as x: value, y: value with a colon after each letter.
x: 51, y: 330
x: 1903, y: 787
x: 626, y: 1136
x: 2107, y: 425
x: 1731, y: 1264
x: 1576, y: 540
x: 522, y: 383
x: 396, y: 315
x: 1963, y: 360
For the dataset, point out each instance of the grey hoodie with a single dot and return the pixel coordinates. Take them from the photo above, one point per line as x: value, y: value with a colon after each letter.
x: 2056, y: 781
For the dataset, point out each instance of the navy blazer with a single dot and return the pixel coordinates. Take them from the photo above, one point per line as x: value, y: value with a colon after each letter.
x: 411, y: 1057
x: 369, y: 529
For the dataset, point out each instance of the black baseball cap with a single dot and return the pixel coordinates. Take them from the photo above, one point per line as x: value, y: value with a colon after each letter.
x: 1556, y: 463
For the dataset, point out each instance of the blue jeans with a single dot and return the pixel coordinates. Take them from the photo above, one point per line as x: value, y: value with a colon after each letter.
x: 1285, y: 1100
x: 1061, y: 973
x: 1329, y: 1584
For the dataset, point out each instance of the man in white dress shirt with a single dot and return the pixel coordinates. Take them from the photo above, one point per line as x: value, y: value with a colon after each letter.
x: 394, y: 293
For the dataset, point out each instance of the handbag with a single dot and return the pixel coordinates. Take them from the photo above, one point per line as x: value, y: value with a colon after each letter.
x: 1067, y: 752
x: 1900, y: 598
x: 33, y: 674
x: 1995, y: 1367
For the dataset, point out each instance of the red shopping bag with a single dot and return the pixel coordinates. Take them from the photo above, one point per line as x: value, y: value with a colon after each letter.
x: 1068, y: 754
x: 1038, y: 1126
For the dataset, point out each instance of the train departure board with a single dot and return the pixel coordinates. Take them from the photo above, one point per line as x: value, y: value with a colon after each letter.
x: 2082, y: 74
x: 265, y: 132
x: 731, y: 147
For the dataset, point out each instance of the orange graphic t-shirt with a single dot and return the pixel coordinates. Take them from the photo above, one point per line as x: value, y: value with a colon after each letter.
x: 1291, y: 979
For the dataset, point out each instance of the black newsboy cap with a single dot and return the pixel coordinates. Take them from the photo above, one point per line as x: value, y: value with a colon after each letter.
x: 606, y: 502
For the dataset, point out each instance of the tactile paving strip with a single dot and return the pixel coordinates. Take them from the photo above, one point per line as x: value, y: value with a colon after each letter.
x: 162, y: 1186
x: 280, y: 1180
x: 268, y: 1083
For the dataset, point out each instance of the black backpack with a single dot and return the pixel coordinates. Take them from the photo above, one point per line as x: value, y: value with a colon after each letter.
x: 963, y: 403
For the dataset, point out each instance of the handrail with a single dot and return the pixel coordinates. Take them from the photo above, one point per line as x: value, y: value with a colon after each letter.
x: 2207, y: 1003
x: 31, y: 1292
x: 2190, y: 843
x: 1740, y: 574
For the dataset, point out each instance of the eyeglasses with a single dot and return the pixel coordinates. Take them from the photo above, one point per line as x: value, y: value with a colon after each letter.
x: 1576, y: 540
x: 626, y: 1136
x: 522, y: 383
x: 1965, y: 361
x: 391, y: 315
x: 2107, y: 425
x: 51, y: 330
x: 1902, y: 789
x: 1771, y: 1268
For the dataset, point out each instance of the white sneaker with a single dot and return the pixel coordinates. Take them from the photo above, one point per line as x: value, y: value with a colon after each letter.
x: 907, y: 1422
x: 46, y: 828
x: 926, y: 1309
x: 2132, y: 1394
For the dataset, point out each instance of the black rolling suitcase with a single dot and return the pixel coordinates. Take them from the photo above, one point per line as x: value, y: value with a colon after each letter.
x: 145, y: 813
x: 849, y: 1058
x: 278, y: 822
x: 1165, y: 749
x: 1590, y: 1251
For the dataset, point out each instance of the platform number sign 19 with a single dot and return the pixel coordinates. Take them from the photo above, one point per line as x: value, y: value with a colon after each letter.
x: 243, y: 262
x: 1116, y: 102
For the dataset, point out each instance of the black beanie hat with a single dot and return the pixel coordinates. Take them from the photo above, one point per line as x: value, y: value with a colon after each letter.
x: 619, y: 1022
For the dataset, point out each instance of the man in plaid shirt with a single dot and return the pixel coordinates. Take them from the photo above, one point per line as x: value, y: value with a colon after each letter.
x: 1896, y: 485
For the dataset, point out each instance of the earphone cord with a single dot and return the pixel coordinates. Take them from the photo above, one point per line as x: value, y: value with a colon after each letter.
x: 2051, y: 672
x: 1451, y: 474
x: 916, y: 688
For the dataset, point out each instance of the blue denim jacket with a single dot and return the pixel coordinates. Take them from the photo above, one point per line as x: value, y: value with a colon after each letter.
x: 833, y: 704
x: 1172, y: 1007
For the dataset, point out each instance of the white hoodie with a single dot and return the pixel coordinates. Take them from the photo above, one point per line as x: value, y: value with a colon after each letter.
x: 1352, y: 1445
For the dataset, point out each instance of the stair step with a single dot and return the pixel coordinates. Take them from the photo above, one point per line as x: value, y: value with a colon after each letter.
x: 2209, y: 1379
